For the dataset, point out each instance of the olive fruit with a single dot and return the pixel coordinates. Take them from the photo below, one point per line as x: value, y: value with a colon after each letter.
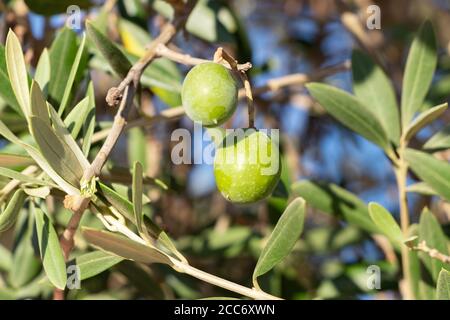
x: 247, y: 167
x: 209, y: 94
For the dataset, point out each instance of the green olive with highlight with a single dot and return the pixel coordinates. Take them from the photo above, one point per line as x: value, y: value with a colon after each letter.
x: 248, y: 168
x: 209, y: 94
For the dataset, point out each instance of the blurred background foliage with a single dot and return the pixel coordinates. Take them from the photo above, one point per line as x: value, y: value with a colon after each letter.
x: 321, y: 156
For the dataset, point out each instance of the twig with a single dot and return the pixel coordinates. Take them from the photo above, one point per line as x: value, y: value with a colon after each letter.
x: 433, y: 253
x: 272, y: 85
x: 163, y: 51
x: 124, y: 94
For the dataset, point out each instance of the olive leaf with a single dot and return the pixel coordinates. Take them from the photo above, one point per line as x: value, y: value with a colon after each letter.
x: 336, y: 201
x: 419, y: 70
x: 368, y: 81
x: 14, y: 160
x: 386, y: 223
x: 125, y: 208
x: 137, y: 195
x: 39, y: 159
x: 443, y: 285
x: 431, y: 232
x: 109, y: 50
x: 43, y: 71
x: 50, y: 250
x: 38, y: 103
x: 434, y: 172
x: 62, y: 55
x: 77, y: 117
x: 57, y: 152
x: 124, y: 247
x: 349, y: 111
x: 11, y: 212
x: 22, y: 177
x: 17, y: 71
x: 424, y: 119
x: 37, y: 192
x: 89, y: 123
x: 283, y: 238
x: 93, y: 263
x: 422, y: 188
x: 71, y: 78
x: 439, y: 141
x: 6, y: 91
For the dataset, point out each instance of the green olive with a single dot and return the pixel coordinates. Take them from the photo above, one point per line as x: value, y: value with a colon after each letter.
x: 247, y: 168
x: 209, y: 94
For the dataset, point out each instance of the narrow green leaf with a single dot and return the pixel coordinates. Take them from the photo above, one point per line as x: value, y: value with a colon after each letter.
x: 43, y: 71
x: 93, y: 263
x: 57, y: 153
x: 414, y: 264
x: 14, y: 160
x: 283, y: 238
x: 39, y: 159
x: 109, y: 50
x: 419, y: 70
x: 434, y: 172
x: 369, y: 81
x: 6, y: 91
x: 349, y: 111
x: 71, y: 78
x: 22, y: 177
x: 335, y: 201
x: 443, y: 285
x: 137, y: 146
x: 431, y: 232
x: 424, y: 119
x: 89, y: 124
x: 62, y: 55
x: 124, y: 247
x: 10, y: 214
x: 38, y: 103
x: 137, y: 195
x: 76, y: 118
x: 25, y: 265
x: 384, y: 220
x: 125, y: 207
x: 439, y: 141
x: 64, y: 135
x: 5, y: 259
x: 17, y: 71
x: 51, y: 253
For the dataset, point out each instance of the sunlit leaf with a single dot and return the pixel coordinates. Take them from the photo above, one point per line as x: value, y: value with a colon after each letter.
x: 422, y: 188
x: 283, y: 238
x: 57, y: 153
x: 93, y: 263
x: 6, y: 91
x: 43, y: 71
x: 51, y: 252
x: 21, y: 177
x: 124, y: 247
x: 385, y: 222
x: 9, y: 160
x: 419, y: 70
x: 17, y: 71
x: 76, y: 118
x: 38, y: 103
x: 89, y: 123
x: 349, y: 111
x: 368, y: 81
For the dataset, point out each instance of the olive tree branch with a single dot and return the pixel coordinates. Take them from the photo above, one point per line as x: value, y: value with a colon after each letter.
x: 123, y: 95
